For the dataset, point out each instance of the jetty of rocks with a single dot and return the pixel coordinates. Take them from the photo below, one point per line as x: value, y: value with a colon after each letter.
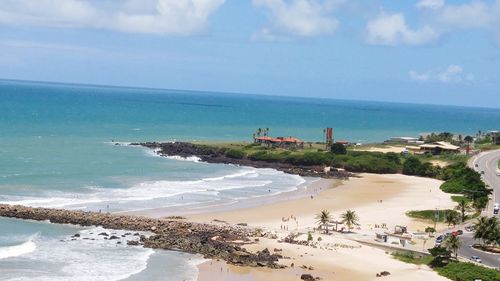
x: 213, y: 241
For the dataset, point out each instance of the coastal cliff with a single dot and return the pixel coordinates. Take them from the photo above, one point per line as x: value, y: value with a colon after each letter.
x: 214, y: 241
x: 212, y: 154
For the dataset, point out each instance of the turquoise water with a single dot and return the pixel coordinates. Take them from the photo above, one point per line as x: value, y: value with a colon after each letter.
x: 56, y: 150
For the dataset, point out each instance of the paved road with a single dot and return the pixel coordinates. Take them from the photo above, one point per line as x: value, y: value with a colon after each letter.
x: 487, y: 162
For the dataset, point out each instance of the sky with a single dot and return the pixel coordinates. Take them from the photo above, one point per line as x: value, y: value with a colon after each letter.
x: 425, y: 51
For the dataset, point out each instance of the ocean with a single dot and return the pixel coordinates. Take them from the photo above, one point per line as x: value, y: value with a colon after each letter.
x: 58, y: 148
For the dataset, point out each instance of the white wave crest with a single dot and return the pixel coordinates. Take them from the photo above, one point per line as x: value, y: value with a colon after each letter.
x: 18, y: 250
x: 189, y: 159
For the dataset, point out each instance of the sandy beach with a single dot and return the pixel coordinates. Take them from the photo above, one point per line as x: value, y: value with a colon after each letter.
x: 377, y: 199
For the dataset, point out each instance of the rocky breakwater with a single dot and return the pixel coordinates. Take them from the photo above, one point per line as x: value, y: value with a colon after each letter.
x: 210, y: 240
x: 212, y: 154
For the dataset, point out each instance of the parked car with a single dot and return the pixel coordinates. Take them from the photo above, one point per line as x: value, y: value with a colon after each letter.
x: 496, y: 208
x: 476, y: 259
x: 459, y: 232
x: 482, y: 172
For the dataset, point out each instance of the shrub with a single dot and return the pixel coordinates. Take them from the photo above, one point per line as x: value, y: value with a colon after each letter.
x: 461, y: 271
x: 338, y: 148
x: 430, y: 229
x: 235, y: 153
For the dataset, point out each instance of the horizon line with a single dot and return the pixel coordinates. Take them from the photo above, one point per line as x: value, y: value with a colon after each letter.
x: 235, y: 93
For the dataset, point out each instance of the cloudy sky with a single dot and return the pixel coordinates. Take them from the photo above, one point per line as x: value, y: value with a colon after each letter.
x: 426, y: 51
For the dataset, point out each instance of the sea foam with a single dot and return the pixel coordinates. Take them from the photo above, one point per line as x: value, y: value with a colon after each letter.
x: 18, y: 250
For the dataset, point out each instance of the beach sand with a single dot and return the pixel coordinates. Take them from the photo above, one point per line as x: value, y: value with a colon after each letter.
x: 376, y: 199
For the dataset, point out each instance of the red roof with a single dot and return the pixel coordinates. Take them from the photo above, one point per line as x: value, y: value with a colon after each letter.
x: 279, y: 139
x: 266, y: 138
x: 290, y: 139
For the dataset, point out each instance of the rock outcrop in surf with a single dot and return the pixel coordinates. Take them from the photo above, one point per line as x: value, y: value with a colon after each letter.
x: 211, y: 154
x: 216, y: 241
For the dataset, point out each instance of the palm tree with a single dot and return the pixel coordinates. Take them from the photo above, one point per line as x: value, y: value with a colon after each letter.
x: 468, y: 140
x: 453, y: 243
x: 451, y: 217
x: 323, y: 219
x: 463, y: 207
x: 350, y: 218
x: 480, y: 227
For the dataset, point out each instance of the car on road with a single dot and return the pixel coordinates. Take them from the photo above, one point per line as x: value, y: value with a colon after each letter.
x: 459, y: 232
x: 482, y: 172
x: 496, y: 208
x: 476, y: 259
x: 439, y: 240
x: 498, y: 174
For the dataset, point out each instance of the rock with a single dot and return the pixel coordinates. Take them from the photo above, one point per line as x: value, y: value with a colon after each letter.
x: 307, y: 277
x: 177, y: 235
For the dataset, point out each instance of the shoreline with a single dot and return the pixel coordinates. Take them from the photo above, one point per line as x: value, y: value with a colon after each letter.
x: 311, y: 187
x: 361, y: 262
x: 215, y: 155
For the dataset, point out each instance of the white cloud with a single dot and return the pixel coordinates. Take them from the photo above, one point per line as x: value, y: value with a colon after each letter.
x: 452, y: 74
x: 476, y: 14
x: 299, y: 17
x: 430, y: 4
x: 179, y: 17
x: 419, y: 76
x: 441, y: 18
x: 392, y: 29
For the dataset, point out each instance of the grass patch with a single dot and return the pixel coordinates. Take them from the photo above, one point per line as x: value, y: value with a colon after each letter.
x: 429, y: 214
x: 456, y: 271
x: 458, y: 198
x: 461, y: 271
x: 412, y: 258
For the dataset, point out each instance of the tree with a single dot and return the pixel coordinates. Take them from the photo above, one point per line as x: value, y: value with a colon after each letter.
x: 468, y: 139
x: 350, y: 218
x: 411, y: 166
x: 463, y: 207
x: 452, y: 243
x: 451, y: 217
x: 487, y: 230
x: 338, y: 148
x: 323, y: 219
x: 441, y: 256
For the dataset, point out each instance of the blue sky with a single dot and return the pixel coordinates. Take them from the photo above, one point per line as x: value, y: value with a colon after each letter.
x: 425, y: 51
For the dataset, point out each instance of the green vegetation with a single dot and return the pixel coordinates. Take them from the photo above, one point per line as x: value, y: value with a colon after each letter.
x: 235, y: 153
x: 458, y: 198
x: 444, y: 136
x: 461, y: 271
x: 323, y: 219
x: 432, y: 215
x: 413, y: 166
x: 338, y: 148
x: 487, y: 230
x: 409, y: 257
x: 454, y: 270
x: 350, y: 218
x: 430, y: 229
x: 461, y: 179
